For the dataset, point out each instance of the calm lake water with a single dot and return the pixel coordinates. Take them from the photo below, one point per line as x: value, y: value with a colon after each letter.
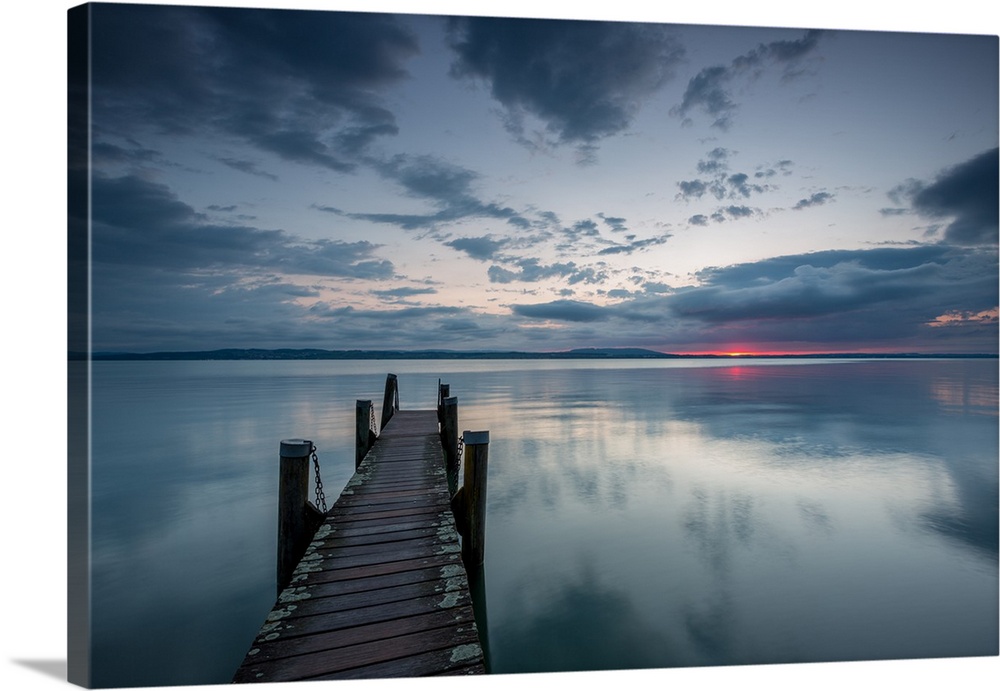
x: 640, y: 513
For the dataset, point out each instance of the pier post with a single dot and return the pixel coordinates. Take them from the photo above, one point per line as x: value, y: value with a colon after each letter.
x: 477, y: 446
x: 298, y: 519
x: 390, y: 401
x: 449, y: 440
x: 363, y: 433
x: 444, y: 391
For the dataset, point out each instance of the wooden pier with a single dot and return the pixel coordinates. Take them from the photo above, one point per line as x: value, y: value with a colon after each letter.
x: 381, y: 589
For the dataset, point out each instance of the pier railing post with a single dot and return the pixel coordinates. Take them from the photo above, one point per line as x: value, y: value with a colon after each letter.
x: 364, y: 434
x: 298, y: 519
x: 390, y: 401
x: 444, y: 391
x: 477, y: 446
x: 449, y: 440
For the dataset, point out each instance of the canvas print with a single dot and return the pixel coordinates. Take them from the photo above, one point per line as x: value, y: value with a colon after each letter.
x: 406, y: 345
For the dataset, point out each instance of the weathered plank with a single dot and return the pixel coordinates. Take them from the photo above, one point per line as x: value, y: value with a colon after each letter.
x: 381, y: 590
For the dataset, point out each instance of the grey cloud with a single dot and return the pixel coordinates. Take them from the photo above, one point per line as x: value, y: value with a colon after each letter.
x: 968, y: 194
x: 902, y: 193
x: 635, y: 245
x: 616, y: 223
x: 325, y: 310
x: 248, y: 167
x: 482, y: 248
x: 734, y: 212
x: 706, y: 90
x: 740, y: 185
x: 692, y: 188
x: 816, y: 199
x: 780, y: 168
x: 858, y: 298
x: 531, y: 271
x: 431, y: 327
x: 445, y: 185
x: 836, y: 296
x: 718, y: 161
x: 698, y: 220
x: 709, y: 90
x: 303, y: 85
x: 586, y: 227
x: 584, y: 80
x: 721, y: 185
x: 104, y: 153
x: 403, y: 292
x: 139, y: 223
x: 562, y: 310
x: 656, y: 287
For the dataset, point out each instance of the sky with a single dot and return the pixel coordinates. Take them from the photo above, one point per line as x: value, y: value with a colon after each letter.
x: 275, y: 179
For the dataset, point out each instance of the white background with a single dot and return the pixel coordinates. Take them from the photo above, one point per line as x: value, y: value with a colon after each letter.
x: 34, y: 336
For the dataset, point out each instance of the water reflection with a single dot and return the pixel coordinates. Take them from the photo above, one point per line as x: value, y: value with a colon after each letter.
x: 579, y: 624
x: 792, y: 504
x: 639, y: 514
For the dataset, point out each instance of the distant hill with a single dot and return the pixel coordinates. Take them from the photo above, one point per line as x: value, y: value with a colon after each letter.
x: 319, y: 354
x: 575, y: 354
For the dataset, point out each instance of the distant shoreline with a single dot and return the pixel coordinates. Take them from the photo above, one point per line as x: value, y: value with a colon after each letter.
x: 577, y: 354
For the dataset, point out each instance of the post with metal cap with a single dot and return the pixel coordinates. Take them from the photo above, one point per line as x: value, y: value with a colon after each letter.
x: 477, y: 446
x: 364, y: 435
x: 390, y: 401
x: 449, y: 440
x: 296, y: 523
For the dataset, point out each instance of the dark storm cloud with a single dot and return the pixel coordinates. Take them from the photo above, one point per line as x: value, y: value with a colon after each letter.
x: 142, y: 224
x: 968, y: 194
x: 301, y: 85
x: 816, y: 199
x: 709, y: 90
x: 584, y: 80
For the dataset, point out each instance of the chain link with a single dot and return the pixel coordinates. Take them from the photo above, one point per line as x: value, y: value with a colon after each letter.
x: 320, y: 495
x: 461, y: 450
x: 372, y: 425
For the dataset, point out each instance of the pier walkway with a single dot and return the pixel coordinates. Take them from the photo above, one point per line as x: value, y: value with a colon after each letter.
x: 381, y: 590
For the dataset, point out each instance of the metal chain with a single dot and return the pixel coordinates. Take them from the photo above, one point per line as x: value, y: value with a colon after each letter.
x: 320, y: 495
x: 372, y: 425
x: 461, y: 449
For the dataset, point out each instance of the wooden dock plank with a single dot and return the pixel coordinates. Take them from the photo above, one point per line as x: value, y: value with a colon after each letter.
x: 381, y: 591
